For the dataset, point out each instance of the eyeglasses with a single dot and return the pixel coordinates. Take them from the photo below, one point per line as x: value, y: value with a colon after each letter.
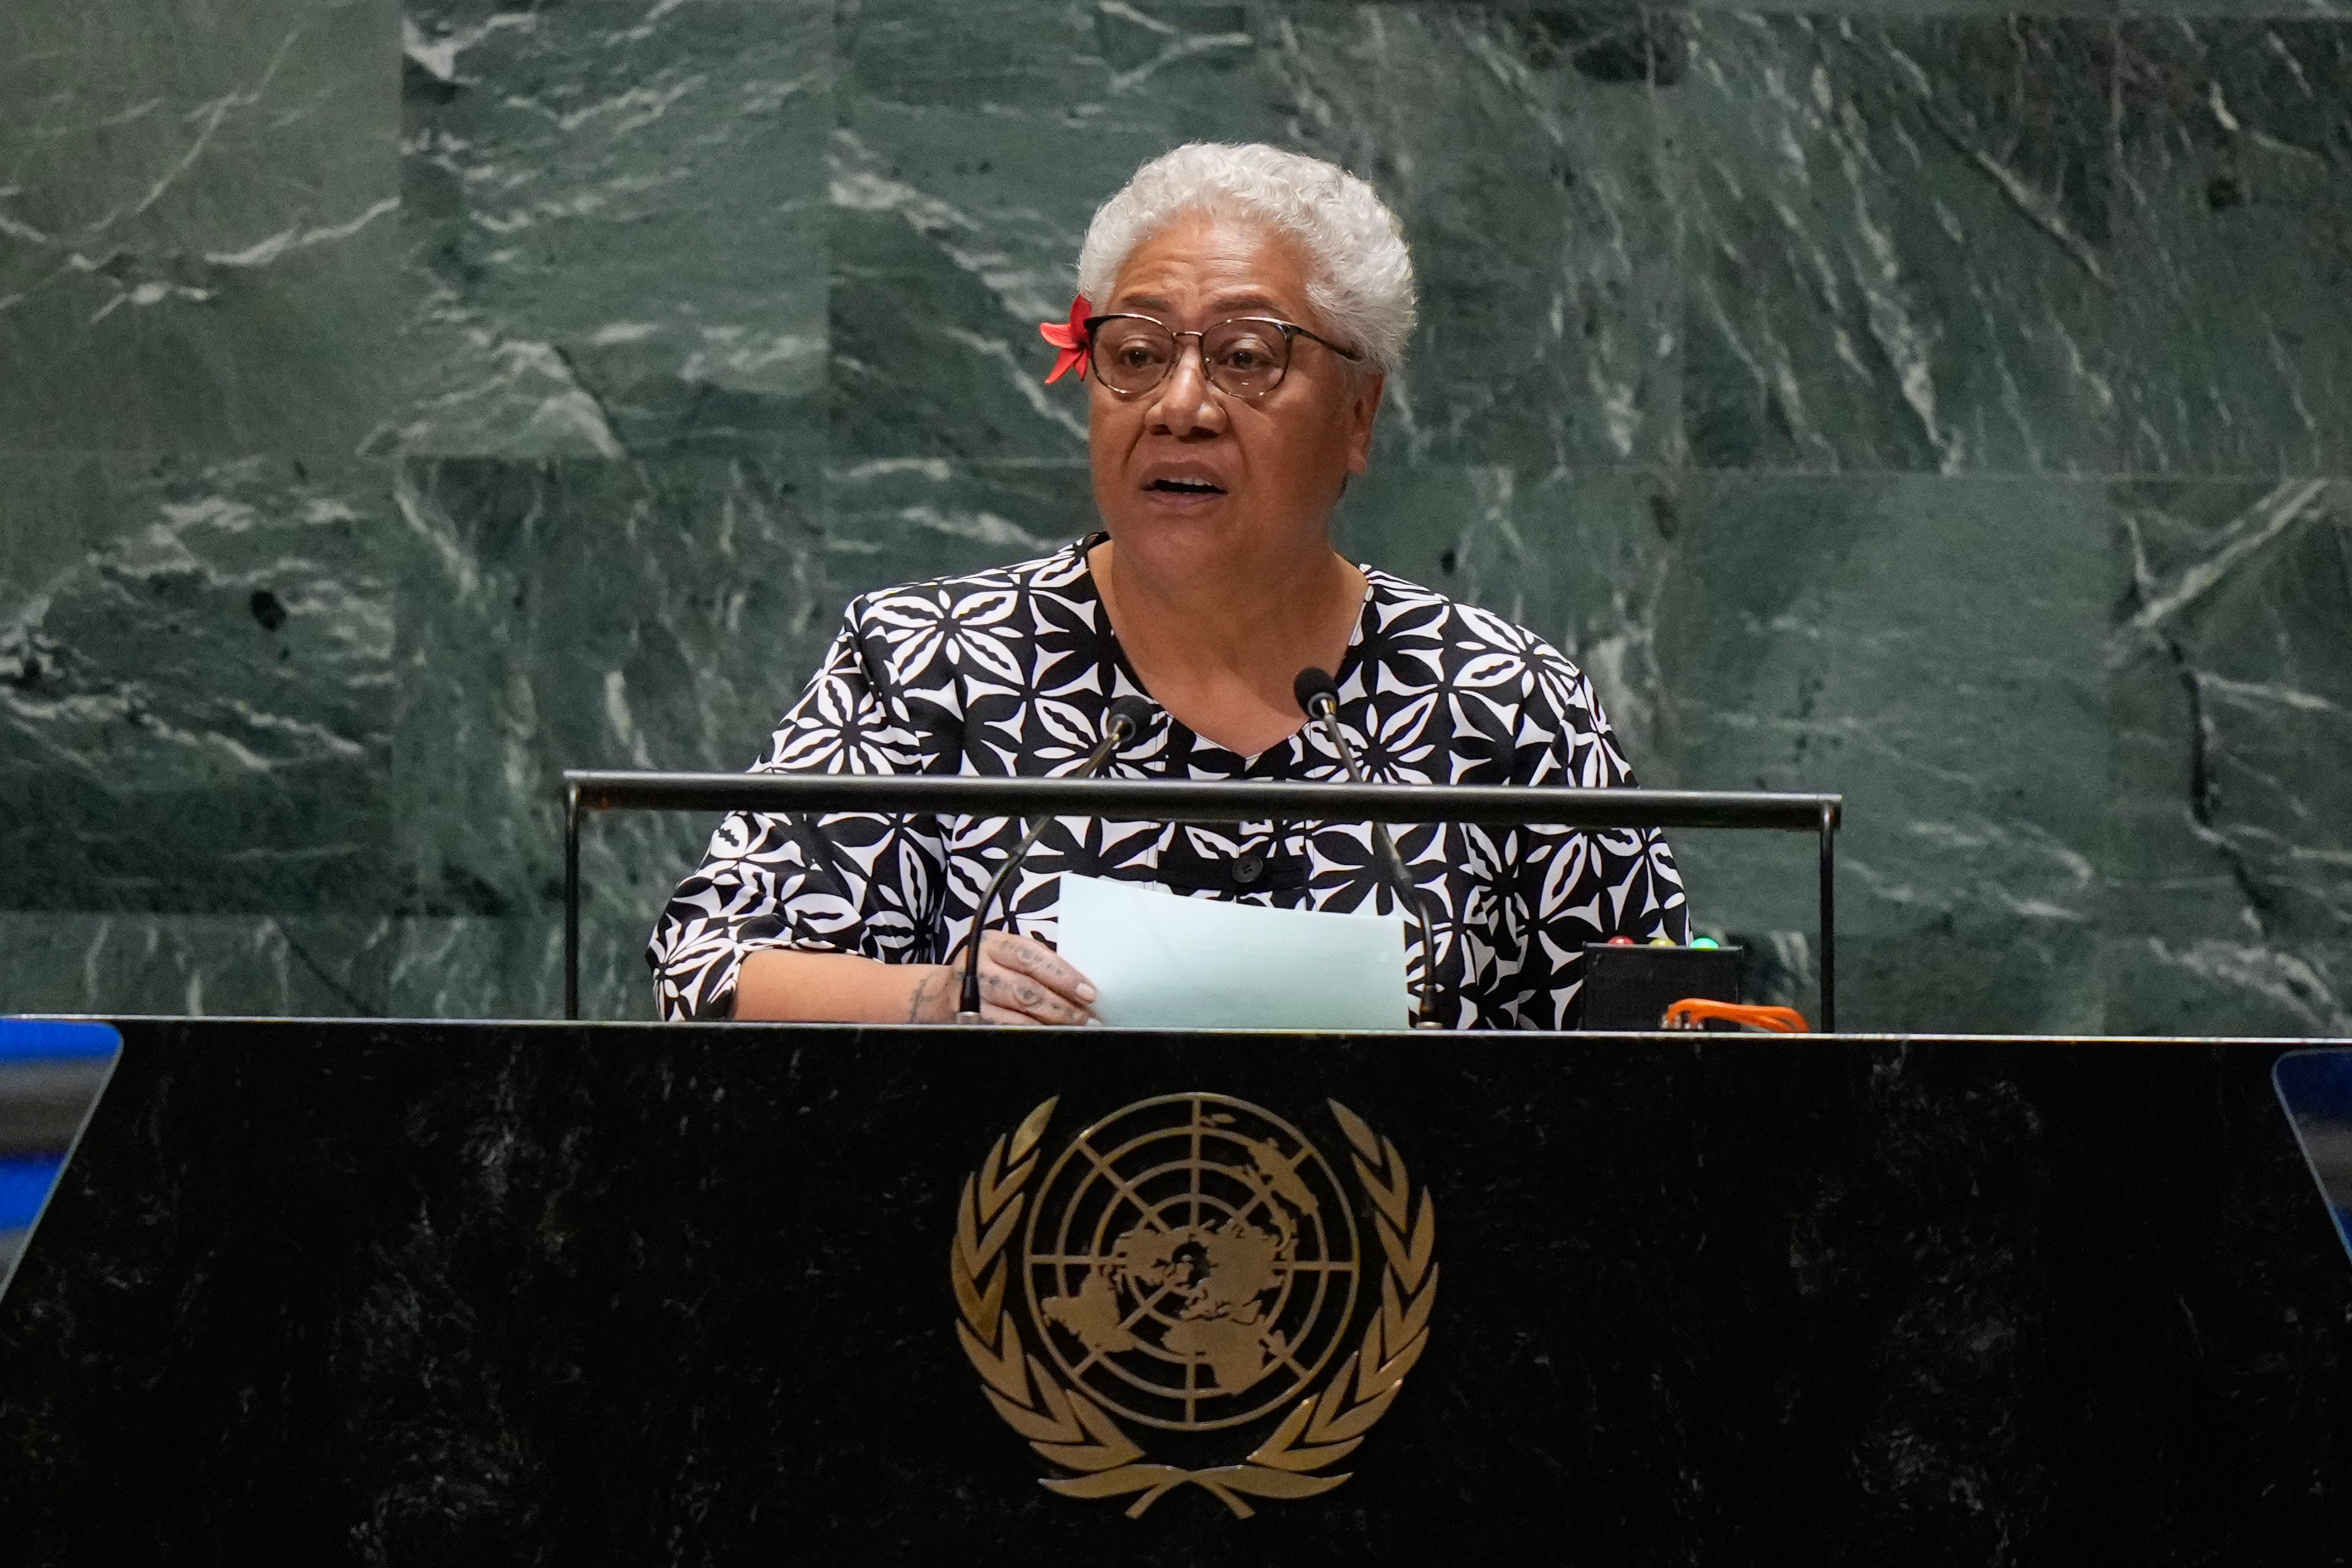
x: 1244, y: 356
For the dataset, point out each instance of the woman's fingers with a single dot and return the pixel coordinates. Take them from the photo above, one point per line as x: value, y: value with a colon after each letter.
x: 1028, y: 956
x: 1023, y: 981
x: 1016, y: 992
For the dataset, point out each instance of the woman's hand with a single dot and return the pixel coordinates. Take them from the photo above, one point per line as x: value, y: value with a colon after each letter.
x: 1022, y: 980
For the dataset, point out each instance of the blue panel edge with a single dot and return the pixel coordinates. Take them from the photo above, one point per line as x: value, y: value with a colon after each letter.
x: 50, y: 1038
x: 2316, y: 1085
x: 31, y: 1183
x: 25, y: 1186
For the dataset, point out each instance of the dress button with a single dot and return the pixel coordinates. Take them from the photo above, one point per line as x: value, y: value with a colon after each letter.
x: 1246, y: 869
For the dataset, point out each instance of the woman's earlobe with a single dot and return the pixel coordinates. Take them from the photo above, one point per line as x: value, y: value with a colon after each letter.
x: 1368, y: 405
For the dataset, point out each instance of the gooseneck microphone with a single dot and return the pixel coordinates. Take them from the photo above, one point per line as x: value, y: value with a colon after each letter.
x: 1122, y: 724
x: 1318, y: 696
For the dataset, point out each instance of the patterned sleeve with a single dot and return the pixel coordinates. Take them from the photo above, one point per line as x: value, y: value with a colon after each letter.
x: 1579, y: 885
x: 845, y: 882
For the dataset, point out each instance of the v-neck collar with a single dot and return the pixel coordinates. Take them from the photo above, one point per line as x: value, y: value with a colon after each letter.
x: 1185, y: 744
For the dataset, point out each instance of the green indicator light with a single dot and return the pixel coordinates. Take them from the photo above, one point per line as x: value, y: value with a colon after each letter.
x: 1705, y: 942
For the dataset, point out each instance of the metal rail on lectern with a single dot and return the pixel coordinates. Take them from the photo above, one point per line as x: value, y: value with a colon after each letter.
x: 1195, y: 800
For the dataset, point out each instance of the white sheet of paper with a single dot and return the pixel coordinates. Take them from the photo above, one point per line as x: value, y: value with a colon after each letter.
x: 1162, y: 960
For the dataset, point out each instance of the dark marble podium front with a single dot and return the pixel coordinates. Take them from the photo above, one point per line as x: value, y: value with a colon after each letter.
x: 472, y: 1293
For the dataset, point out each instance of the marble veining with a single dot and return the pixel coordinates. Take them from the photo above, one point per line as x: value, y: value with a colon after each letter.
x: 2227, y: 665
x: 1894, y: 266
x: 613, y: 221
x: 2235, y: 172
x: 1805, y: 615
x: 194, y: 212
x: 198, y: 683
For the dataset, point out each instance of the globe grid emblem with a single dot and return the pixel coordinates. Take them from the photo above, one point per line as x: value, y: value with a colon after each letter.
x: 1193, y: 1262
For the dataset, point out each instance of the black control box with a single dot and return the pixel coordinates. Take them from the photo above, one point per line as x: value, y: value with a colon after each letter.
x: 1630, y: 988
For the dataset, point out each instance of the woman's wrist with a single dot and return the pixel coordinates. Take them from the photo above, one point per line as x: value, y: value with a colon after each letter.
x: 791, y: 985
x: 932, y: 999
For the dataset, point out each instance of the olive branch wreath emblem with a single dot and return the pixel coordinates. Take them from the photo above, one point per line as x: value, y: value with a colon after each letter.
x: 1070, y: 1430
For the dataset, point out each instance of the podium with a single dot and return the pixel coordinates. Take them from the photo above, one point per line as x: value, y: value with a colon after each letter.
x: 464, y: 1292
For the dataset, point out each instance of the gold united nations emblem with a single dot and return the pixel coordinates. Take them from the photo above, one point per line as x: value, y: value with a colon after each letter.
x: 1186, y: 1267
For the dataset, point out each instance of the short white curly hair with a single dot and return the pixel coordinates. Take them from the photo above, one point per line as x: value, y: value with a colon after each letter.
x: 1362, y: 283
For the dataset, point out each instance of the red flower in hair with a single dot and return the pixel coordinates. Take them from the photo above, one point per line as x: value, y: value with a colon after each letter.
x: 1070, y: 337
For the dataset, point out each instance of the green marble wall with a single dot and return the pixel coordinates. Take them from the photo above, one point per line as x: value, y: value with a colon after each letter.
x: 1942, y: 404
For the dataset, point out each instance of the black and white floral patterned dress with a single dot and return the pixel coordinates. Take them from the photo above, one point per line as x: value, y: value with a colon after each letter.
x: 1013, y: 671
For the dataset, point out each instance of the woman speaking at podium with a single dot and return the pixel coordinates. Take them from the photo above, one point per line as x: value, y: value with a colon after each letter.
x: 1240, y: 309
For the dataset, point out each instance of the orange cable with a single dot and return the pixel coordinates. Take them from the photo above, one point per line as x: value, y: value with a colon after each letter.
x: 1692, y: 1012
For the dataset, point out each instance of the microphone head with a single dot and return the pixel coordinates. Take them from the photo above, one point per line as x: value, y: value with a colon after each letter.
x: 1313, y: 684
x: 1132, y: 711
